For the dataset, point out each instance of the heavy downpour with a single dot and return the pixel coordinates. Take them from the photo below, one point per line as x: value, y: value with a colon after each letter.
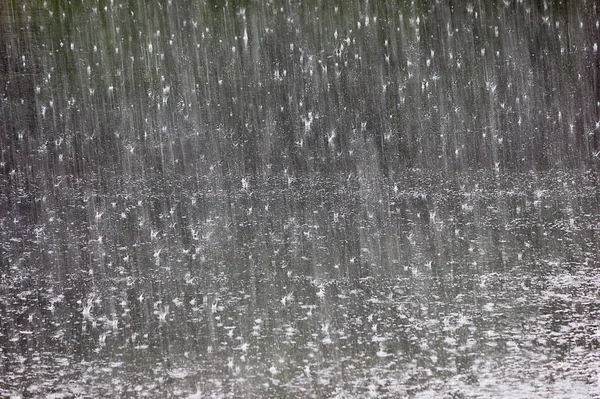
x: 300, y: 199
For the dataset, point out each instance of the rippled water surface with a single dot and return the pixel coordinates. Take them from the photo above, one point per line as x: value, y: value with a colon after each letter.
x: 480, y: 286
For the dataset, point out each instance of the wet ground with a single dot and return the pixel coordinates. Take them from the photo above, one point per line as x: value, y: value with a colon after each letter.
x: 479, y: 286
